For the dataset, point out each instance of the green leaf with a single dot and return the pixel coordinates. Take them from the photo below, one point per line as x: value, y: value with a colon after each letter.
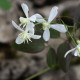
x: 5, y: 4
x: 63, y: 62
x: 54, y: 33
x: 34, y: 46
x: 51, y: 58
x: 31, y: 47
x: 39, y: 30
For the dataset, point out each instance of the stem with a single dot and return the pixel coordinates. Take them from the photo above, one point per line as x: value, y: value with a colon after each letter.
x: 37, y: 74
x: 72, y: 38
x: 69, y: 34
x: 38, y: 23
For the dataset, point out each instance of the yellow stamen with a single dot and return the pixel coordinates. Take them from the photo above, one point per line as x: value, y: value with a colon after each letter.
x: 45, y: 25
x: 25, y: 20
x: 78, y: 41
x: 23, y: 36
x: 26, y: 36
x: 78, y: 48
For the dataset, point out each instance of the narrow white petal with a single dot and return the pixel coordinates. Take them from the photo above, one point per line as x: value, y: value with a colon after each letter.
x: 53, y: 14
x: 16, y: 26
x: 33, y: 18
x: 39, y: 18
x: 69, y: 52
x: 36, y: 36
x: 76, y: 53
x: 31, y: 31
x: 19, y: 40
x: 30, y: 27
x: 46, y: 34
x: 59, y: 27
x: 25, y: 9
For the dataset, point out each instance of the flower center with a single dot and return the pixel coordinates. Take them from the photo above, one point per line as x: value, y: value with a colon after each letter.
x: 78, y: 41
x: 45, y: 25
x: 26, y: 36
x: 78, y: 48
x: 23, y: 36
x: 25, y: 20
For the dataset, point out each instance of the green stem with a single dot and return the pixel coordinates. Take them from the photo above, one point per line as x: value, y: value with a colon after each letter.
x: 70, y: 34
x: 37, y: 74
x: 38, y: 23
x: 72, y: 38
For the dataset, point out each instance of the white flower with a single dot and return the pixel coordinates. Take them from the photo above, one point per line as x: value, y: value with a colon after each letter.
x: 76, y: 50
x: 47, y: 25
x: 26, y: 34
x: 23, y: 20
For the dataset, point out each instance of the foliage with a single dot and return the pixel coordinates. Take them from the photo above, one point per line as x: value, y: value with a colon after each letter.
x: 51, y: 58
x: 63, y: 62
x: 5, y: 4
x: 45, y: 28
x: 31, y: 47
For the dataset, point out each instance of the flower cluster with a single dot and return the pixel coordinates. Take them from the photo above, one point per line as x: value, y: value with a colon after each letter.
x: 28, y: 31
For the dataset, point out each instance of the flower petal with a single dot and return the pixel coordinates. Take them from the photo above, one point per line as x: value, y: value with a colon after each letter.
x: 39, y: 18
x: 21, y: 18
x: 19, y: 40
x: 30, y: 27
x: 78, y: 45
x: 69, y: 52
x: 25, y: 9
x: 16, y: 26
x: 36, y: 36
x: 46, y: 34
x: 59, y: 27
x: 33, y: 18
x: 31, y: 31
x: 76, y: 53
x: 53, y: 14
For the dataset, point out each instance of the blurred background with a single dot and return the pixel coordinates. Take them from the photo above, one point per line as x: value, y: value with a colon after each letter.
x: 15, y: 64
